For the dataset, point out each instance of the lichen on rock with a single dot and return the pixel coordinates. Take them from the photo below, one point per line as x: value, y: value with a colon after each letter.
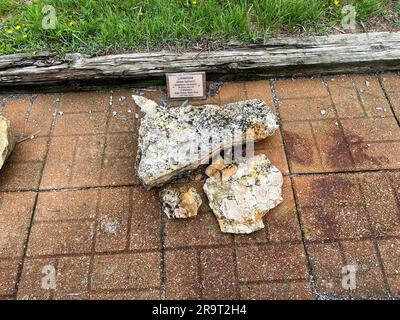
x: 173, y: 141
x: 240, y: 194
x: 180, y: 202
x: 7, y: 141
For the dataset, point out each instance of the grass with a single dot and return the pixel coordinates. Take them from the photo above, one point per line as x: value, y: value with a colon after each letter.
x: 397, y: 14
x: 103, y: 26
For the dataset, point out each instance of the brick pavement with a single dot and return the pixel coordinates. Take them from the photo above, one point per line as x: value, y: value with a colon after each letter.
x: 69, y: 198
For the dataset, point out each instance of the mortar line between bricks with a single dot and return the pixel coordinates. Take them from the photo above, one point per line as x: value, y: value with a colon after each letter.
x: 272, y: 242
x: 21, y: 267
x: 229, y: 245
x: 151, y: 250
x: 137, y: 185
x: 330, y: 118
x: 395, y: 194
x: 341, y: 248
x: 93, y: 247
x: 136, y: 290
x: 340, y: 125
x: 304, y: 98
x: 7, y: 297
x: 203, y: 247
x: 314, y: 138
x: 96, y: 253
x: 266, y: 281
x: 107, y: 136
x: 66, y: 113
x: 129, y: 223
x: 305, y: 174
x: 74, y: 156
x: 163, y: 275
x: 308, y: 261
x: 199, y: 273
x: 375, y: 242
x: 65, y: 220
x: 27, y: 114
x: 275, y: 100
x: 65, y: 189
x: 360, y: 100
x: 385, y: 92
x: 98, y: 134
x: 236, y: 269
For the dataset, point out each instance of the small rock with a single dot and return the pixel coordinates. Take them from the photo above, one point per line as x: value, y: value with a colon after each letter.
x: 246, y: 192
x: 122, y: 98
x: 323, y: 111
x: 7, y: 141
x: 180, y: 202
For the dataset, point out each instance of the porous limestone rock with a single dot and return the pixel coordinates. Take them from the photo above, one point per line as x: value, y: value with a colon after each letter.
x: 180, y: 202
x: 240, y: 194
x: 173, y: 141
x: 7, y: 141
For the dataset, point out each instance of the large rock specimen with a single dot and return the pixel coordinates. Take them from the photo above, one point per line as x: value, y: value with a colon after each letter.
x: 180, y: 202
x: 173, y: 141
x: 241, y: 194
x: 7, y: 141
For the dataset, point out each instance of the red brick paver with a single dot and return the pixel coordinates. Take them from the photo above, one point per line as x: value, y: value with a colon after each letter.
x: 70, y: 201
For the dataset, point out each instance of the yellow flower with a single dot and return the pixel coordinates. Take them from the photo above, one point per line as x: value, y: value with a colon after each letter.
x: 24, y: 36
x: 72, y: 24
x: 336, y: 2
x: 18, y: 27
x: 194, y: 2
x: 9, y: 31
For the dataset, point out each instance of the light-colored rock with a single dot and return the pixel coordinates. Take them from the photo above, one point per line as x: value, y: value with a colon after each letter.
x: 180, y: 202
x: 243, y: 193
x: 7, y: 141
x: 173, y: 141
x: 215, y: 168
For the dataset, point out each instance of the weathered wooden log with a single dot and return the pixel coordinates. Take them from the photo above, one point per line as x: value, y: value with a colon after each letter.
x: 277, y: 57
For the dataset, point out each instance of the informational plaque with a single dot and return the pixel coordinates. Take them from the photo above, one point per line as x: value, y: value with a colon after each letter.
x: 186, y: 85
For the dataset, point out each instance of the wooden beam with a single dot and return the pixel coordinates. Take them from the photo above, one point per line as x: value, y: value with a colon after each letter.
x: 343, y: 53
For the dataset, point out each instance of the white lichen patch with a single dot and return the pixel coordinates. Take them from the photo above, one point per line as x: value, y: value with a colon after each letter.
x: 243, y: 193
x: 109, y: 226
x: 176, y: 140
x: 7, y: 141
x: 180, y: 202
